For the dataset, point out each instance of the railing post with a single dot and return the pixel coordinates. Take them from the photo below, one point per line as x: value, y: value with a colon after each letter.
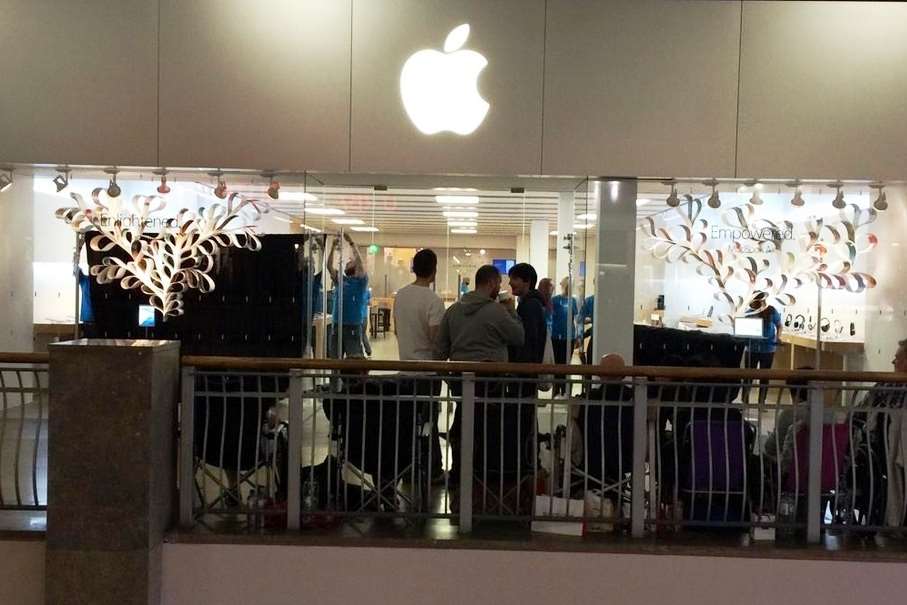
x: 467, y: 437
x: 187, y: 449
x: 814, y: 483
x: 294, y: 453
x: 637, y: 497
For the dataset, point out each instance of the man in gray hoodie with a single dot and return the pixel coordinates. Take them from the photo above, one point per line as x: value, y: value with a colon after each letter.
x: 478, y: 327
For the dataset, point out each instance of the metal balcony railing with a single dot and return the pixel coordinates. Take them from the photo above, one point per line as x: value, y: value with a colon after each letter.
x: 23, y: 431
x: 270, y: 443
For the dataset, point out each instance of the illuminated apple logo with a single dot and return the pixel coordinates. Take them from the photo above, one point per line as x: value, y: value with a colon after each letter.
x: 440, y: 90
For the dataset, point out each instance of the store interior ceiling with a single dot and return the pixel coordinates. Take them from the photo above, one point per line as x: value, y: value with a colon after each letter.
x: 435, y: 204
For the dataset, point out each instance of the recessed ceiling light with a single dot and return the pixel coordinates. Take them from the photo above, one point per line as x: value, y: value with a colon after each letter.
x: 308, y: 228
x: 462, y: 223
x: 642, y: 201
x: 552, y: 232
x: 365, y: 229
x: 583, y: 226
x: 586, y: 217
x: 325, y: 211
x: 455, y: 189
x: 466, y: 200
x: 298, y: 196
x: 464, y: 231
x: 461, y: 214
x: 349, y: 221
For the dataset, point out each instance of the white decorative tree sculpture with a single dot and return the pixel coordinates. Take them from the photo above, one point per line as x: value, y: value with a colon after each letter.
x: 166, y: 262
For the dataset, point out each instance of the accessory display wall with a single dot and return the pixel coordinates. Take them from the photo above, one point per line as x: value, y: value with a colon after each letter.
x: 256, y: 310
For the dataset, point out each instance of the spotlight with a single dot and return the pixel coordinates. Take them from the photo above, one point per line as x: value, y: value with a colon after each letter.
x: 714, y: 199
x: 6, y: 181
x: 274, y: 187
x: 881, y: 202
x: 163, y: 188
x: 797, y: 200
x: 755, y: 200
x: 673, y: 201
x: 113, y: 190
x: 838, y: 202
x: 221, y: 189
x: 61, y: 181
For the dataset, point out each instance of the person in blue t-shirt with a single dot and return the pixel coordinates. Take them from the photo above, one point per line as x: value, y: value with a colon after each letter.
x: 586, y: 315
x: 352, y: 311
x: 563, y: 332
x: 762, y: 351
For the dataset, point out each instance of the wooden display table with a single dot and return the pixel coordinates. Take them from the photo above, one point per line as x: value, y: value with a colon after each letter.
x: 798, y: 350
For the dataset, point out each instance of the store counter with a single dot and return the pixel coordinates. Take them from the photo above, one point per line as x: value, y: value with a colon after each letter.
x: 799, y: 350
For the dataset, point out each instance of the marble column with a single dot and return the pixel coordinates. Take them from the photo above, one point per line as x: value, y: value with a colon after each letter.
x: 539, y: 244
x: 615, y: 268
x: 111, y: 469
x: 565, y: 221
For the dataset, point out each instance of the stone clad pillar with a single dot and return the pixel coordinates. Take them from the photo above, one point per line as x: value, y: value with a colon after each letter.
x: 565, y: 220
x: 615, y: 268
x: 111, y: 469
x: 539, y: 247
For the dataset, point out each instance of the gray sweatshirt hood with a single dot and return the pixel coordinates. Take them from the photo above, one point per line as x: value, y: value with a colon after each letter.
x: 472, y: 302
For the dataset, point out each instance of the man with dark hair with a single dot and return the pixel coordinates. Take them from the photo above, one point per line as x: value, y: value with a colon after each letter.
x: 478, y: 327
x: 418, y: 311
x: 532, y: 314
x: 417, y: 318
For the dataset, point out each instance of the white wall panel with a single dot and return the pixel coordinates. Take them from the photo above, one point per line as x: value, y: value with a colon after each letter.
x: 509, y: 33
x: 255, y: 84
x: 641, y: 87
x: 822, y: 90
x: 16, y: 302
x: 886, y: 304
x: 78, y: 81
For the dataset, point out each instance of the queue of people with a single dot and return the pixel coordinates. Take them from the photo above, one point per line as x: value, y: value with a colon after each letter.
x: 490, y: 325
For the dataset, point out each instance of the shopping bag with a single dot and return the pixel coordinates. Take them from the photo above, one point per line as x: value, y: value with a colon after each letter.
x: 549, y: 506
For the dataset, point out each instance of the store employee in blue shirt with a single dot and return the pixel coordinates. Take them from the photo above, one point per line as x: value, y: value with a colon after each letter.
x: 762, y: 351
x: 563, y: 319
x: 354, y: 304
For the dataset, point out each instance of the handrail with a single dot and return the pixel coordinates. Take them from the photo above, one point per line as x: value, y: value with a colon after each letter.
x: 653, y: 372
x: 710, y: 374
x: 24, y: 357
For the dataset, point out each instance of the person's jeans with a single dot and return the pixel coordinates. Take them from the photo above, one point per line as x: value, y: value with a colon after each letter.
x: 763, y: 361
x: 366, y: 345
x: 351, y: 343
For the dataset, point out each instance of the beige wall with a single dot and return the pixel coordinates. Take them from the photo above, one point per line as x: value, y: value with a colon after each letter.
x: 229, y: 575
x: 236, y: 575
x: 22, y: 572
x: 631, y: 88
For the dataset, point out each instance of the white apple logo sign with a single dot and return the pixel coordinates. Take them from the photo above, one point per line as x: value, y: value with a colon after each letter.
x: 440, y: 90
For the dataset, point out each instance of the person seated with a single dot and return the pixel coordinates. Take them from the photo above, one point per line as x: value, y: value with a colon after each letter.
x: 779, y: 444
x: 377, y: 429
x: 603, y: 449
x: 887, y: 435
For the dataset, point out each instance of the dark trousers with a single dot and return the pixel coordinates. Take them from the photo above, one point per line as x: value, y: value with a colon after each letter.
x: 561, y: 358
x: 763, y: 361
